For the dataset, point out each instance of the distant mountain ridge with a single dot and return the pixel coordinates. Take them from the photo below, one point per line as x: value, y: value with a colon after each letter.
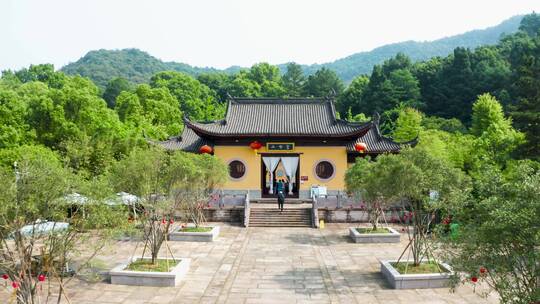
x: 138, y: 66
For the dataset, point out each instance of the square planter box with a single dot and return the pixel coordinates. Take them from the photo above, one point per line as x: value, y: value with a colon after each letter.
x: 391, y: 237
x: 121, y: 276
x: 209, y: 236
x: 415, y: 281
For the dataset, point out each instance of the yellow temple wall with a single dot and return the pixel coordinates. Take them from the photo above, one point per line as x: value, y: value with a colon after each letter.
x: 309, y: 157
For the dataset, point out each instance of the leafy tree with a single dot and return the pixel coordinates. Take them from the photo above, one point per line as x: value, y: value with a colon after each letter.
x: 195, y: 99
x: 294, y: 80
x: 530, y: 24
x: 31, y: 201
x: 43, y: 73
x: 166, y: 182
x: 114, y: 88
x: 497, y: 241
x: 155, y: 110
x: 452, y: 125
x: 218, y: 82
x: 496, y: 139
x: 352, y: 97
x: 324, y: 82
x: 408, y: 125
x: 261, y: 80
x: 390, y: 85
x: 243, y: 86
x: 405, y: 88
x: 525, y: 61
x: 369, y: 182
x: 427, y: 184
x: 14, y: 129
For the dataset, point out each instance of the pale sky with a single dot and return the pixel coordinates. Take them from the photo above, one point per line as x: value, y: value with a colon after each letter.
x: 221, y: 33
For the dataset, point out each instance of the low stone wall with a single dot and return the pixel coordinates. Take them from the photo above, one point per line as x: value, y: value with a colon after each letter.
x: 346, y: 215
x: 343, y: 216
x: 236, y: 215
x: 227, y: 215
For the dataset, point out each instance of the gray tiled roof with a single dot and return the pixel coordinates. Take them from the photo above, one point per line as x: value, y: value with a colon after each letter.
x: 279, y: 117
x: 188, y: 141
x: 377, y: 143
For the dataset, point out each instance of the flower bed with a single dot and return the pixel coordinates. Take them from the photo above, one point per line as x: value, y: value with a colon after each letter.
x: 195, y: 234
x: 425, y: 276
x: 381, y: 235
x: 139, y: 272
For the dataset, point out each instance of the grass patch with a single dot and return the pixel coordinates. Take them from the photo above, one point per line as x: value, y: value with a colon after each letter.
x: 371, y: 230
x: 423, y: 268
x: 196, y: 229
x: 146, y: 265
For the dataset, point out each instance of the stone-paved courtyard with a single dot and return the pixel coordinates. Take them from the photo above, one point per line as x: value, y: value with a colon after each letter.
x: 272, y: 265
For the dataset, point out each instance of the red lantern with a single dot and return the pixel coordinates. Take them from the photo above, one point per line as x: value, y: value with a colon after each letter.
x: 5, y: 276
x: 163, y: 221
x: 255, y: 145
x: 15, y: 285
x: 171, y: 221
x: 483, y: 270
x: 206, y: 149
x: 360, y: 147
x: 474, y: 279
x: 41, y: 277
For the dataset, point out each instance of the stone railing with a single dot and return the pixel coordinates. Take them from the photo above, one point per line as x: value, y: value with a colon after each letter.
x: 314, y: 213
x: 246, y: 210
x: 226, y: 201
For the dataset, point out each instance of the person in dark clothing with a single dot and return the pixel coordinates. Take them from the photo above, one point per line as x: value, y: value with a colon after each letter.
x: 280, y: 188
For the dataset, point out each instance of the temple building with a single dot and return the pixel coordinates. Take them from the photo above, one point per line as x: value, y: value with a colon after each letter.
x: 299, y: 141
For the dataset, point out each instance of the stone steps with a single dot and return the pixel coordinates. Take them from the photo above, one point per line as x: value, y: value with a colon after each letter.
x: 273, y: 217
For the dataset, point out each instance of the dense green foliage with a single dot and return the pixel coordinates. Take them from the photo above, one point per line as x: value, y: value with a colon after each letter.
x: 90, y: 129
x: 134, y: 65
x: 499, y: 233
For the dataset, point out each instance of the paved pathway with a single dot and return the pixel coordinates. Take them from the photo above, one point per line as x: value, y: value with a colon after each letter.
x: 272, y: 265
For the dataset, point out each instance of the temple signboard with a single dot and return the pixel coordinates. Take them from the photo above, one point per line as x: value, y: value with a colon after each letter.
x: 275, y: 146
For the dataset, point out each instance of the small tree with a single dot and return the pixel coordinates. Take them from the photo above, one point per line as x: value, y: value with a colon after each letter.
x: 209, y: 173
x: 368, y: 181
x: 498, y: 240
x: 146, y: 173
x: 428, y: 185
x: 37, y: 238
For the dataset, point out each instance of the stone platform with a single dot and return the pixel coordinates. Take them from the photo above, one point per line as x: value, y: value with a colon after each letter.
x: 271, y: 265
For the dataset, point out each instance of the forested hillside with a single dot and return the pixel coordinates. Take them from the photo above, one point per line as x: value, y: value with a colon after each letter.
x: 470, y: 106
x: 138, y: 66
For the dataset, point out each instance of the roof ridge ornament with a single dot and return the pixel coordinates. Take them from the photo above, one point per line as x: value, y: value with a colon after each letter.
x: 376, y: 120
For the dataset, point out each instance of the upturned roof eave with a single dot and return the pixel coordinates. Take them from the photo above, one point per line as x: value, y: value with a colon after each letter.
x: 362, y: 130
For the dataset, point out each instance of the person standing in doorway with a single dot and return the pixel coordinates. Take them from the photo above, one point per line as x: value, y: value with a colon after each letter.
x: 280, y: 187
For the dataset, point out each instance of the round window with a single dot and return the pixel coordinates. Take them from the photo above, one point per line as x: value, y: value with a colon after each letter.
x: 324, y: 170
x: 237, y: 169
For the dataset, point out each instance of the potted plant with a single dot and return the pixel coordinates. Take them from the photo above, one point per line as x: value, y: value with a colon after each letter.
x: 211, y: 173
x: 369, y: 185
x: 425, y: 185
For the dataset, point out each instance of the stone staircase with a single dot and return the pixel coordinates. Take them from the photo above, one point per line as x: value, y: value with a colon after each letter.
x: 273, y: 217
